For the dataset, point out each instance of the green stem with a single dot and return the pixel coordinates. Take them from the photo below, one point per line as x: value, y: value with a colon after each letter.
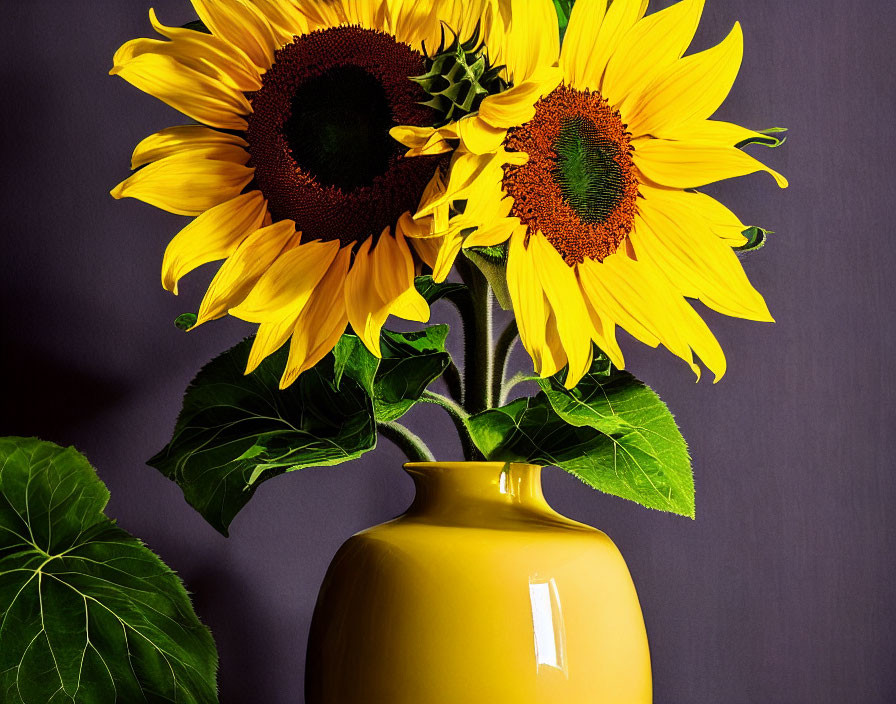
x: 412, y: 446
x: 503, y: 349
x: 517, y: 378
x: 463, y: 301
x: 458, y: 416
x: 451, y: 377
x: 478, y: 342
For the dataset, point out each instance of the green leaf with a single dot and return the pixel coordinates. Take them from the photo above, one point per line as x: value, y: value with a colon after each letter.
x: 432, y: 292
x: 564, y: 10
x: 236, y: 431
x: 611, y: 431
x: 88, y: 614
x: 768, y: 138
x: 411, y: 361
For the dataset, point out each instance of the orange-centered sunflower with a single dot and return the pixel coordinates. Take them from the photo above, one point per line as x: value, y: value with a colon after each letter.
x: 588, y: 166
x: 292, y: 174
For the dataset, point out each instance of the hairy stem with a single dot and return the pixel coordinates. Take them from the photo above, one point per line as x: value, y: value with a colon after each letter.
x: 409, y: 443
x: 517, y: 378
x: 503, y: 349
x: 451, y: 377
x: 458, y: 416
x: 478, y: 343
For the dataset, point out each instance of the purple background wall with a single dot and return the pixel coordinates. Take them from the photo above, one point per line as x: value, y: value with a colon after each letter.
x: 780, y: 591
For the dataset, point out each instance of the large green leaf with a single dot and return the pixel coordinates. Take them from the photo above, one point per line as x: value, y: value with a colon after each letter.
x: 88, y: 614
x: 236, y: 431
x: 411, y: 361
x: 611, y: 431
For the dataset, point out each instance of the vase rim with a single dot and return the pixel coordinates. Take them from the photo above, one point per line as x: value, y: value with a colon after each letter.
x: 468, y: 464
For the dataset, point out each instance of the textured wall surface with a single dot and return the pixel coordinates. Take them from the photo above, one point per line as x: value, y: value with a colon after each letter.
x: 780, y: 592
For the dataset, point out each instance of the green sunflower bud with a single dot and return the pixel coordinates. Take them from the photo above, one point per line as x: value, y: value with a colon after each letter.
x: 459, y: 76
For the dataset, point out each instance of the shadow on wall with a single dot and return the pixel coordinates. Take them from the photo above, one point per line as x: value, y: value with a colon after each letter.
x: 244, y: 671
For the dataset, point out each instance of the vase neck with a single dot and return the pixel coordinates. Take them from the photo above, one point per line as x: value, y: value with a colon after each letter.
x: 458, y: 488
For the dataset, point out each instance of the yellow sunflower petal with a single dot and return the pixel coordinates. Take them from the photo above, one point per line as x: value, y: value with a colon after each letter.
x: 269, y: 338
x: 288, y: 283
x: 329, y: 13
x: 241, y: 24
x: 533, y: 40
x: 175, y: 140
x: 604, y: 332
x: 553, y: 356
x: 558, y: 280
x: 478, y: 136
x: 427, y: 249
x: 321, y: 322
x: 691, y: 89
x: 284, y: 18
x: 243, y: 268
x: 691, y: 165
x: 578, y: 44
x: 709, y: 131
x: 367, y: 13
x: 650, y: 47
x: 185, y: 184
x: 409, y: 305
x: 493, y: 234
x: 361, y: 297
x: 415, y: 23
x: 379, y: 280
x: 636, y: 309
x: 212, y: 236
x: 197, y: 56
x: 516, y: 105
x: 207, y: 54
x: 451, y: 244
x: 620, y: 17
x: 528, y: 298
x: 422, y: 141
x: 641, y: 300
x: 681, y: 243
x: 196, y: 95
x: 724, y: 223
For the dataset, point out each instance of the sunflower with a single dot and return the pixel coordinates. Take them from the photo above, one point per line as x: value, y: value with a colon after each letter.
x: 587, y: 168
x: 290, y: 173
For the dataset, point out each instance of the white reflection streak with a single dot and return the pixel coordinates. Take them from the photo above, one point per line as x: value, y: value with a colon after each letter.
x: 548, y: 626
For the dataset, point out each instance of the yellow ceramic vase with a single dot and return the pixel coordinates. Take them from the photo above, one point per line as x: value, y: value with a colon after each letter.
x: 480, y: 593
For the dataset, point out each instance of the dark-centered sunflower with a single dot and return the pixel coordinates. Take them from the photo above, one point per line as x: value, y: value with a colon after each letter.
x: 588, y: 166
x: 291, y: 173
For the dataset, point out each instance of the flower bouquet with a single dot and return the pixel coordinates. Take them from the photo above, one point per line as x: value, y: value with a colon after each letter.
x: 355, y: 162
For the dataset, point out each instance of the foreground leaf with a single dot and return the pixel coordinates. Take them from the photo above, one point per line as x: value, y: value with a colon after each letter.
x: 611, y: 431
x: 411, y: 361
x: 88, y: 614
x: 236, y: 431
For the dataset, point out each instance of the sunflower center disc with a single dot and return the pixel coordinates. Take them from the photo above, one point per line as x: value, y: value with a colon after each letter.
x: 319, y: 133
x: 578, y: 187
x: 339, y: 128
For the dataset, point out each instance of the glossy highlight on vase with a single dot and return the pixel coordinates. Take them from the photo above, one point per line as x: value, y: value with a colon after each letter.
x: 479, y: 593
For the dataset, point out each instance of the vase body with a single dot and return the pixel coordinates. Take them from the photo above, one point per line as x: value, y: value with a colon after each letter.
x: 479, y: 594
